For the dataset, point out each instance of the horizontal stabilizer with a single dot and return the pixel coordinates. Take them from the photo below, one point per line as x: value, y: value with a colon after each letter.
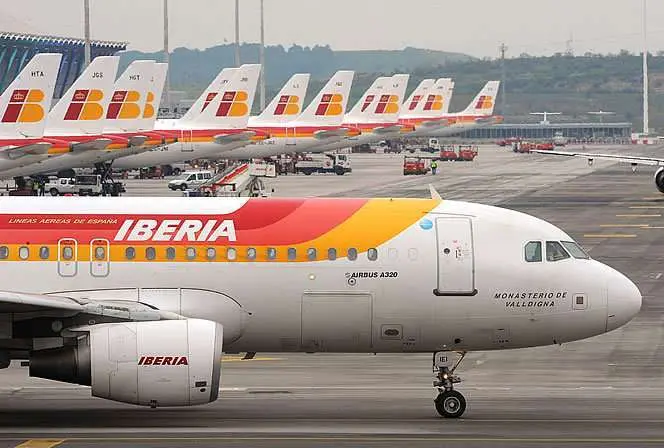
x: 322, y: 135
x: 17, y: 152
x: 91, y: 145
x: 225, y: 139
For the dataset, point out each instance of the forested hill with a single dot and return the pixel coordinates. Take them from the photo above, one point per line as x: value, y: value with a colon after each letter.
x: 192, y: 70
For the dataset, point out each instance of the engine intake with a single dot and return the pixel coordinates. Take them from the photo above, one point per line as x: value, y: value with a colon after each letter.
x: 659, y: 179
x: 160, y: 363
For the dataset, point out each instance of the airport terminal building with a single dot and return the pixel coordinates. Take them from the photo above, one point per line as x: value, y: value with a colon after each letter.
x: 581, y: 132
x: 16, y: 49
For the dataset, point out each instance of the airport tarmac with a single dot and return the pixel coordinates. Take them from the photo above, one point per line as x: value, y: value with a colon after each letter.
x: 606, y: 391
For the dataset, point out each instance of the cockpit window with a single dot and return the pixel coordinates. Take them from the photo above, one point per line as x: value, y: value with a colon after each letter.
x: 555, y: 251
x: 575, y: 250
x: 533, y: 252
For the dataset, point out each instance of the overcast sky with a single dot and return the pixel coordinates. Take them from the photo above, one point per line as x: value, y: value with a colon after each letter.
x: 475, y: 27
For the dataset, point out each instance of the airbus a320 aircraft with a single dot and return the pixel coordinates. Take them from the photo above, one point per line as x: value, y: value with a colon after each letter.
x: 138, y: 298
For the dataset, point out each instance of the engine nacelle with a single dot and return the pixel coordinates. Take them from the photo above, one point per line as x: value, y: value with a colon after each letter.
x: 659, y: 180
x: 159, y: 363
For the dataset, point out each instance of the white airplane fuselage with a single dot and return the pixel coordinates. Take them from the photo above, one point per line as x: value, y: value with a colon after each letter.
x: 447, y: 275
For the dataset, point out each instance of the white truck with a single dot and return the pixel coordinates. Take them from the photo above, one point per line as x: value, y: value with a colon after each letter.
x: 324, y: 163
x: 82, y: 185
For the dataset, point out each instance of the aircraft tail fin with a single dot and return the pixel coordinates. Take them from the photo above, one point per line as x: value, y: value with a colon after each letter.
x: 153, y: 97
x: 328, y: 107
x: 212, y: 90
x: 287, y: 105
x: 485, y: 101
x: 26, y: 101
x: 82, y: 109
x: 230, y: 109
x: 416, y: 97
x: 125, y: 111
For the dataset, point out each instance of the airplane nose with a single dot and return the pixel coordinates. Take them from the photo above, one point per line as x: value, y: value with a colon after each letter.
x: 624, y: 301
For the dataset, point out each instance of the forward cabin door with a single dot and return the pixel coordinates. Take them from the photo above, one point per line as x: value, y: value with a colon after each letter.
x: 99, y: 257
x: 456, y: 259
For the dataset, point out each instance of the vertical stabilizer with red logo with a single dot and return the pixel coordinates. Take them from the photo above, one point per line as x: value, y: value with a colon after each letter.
x: 329, y: 106
x: 153, y: 98
x: 125, y: 111
x: 381, y: 103
x: 212, y: 90
x: 485, y: 101
x: 287, y: 105
x: 230, y: 109
x: 436, y: 101
x: 25, y: 103
x: 416, y: 98
x: 82, y: 110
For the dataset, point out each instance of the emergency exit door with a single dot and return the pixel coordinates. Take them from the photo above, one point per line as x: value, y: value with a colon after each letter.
x: 291, y: 136
x: 456, y: 260
x: 67, y: 257
x: 186, y: 140
x: 99, y: 257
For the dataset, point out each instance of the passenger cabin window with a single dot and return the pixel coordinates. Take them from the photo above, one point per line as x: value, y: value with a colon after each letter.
x: 23, y: 253
x: 170, y: 253
x: 44, y: 252
x: 331, y: 253
x: 100, y: 253
x: 352, y: 254
x: 4, y: 252
x: 575, y: 250
x: 555, y: 251
x: 231, y: 253
x: 130, y: 253
x: 150, y: 253
x: 311, y: 254
x: 292, y: 254
x: 190, y: 253
x: 372, y: 254
x: 251, y: 253
x: 67, y: 253
x: 533, y: 252
x: 211, y: 253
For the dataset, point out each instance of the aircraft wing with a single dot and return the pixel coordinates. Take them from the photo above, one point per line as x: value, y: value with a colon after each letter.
x: 434, y: 123
x: 17, y: 302
x: 634, y: 160
x: 225, y: 139
x: 16, y: 152
x: 388, y: 129
x: 91, y: 145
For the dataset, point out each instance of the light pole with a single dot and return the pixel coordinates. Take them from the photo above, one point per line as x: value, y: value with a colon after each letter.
x: 237, y: 33
x: 86, y: 21
x: 262, y: 56
x: 646, y: 118
x: 167, y: 57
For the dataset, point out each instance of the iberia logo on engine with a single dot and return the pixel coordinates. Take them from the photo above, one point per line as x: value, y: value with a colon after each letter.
x: 163, y: 361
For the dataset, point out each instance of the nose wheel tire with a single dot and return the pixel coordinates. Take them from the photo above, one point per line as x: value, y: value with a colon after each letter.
x: 450, y: 404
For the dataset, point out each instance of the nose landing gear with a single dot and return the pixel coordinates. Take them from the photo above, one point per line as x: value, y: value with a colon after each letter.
x: 449, y: 403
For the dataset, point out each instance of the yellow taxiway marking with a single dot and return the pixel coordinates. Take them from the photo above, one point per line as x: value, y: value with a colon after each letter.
x: 625, y: 225
x: 40, y: 443
x: 633, y: 215
x: 609, y: 235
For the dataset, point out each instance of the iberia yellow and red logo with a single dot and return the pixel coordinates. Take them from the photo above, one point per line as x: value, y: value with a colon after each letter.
x: 148, y: 111
x: 367, y: 102
x: 434, y: 102
x: 330, y: 104
x: 208, y: 99
x: 124, y: 105
x: 85, y: 105
x: 288, y: 105
x: 388, y: 104
x: 24, y: 107
x: 484, y: 102
x: 233, y: 104
x: 414, y: 102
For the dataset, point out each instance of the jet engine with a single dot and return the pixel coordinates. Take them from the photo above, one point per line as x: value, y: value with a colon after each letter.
x: 156, y: 363
x: 659, y: 179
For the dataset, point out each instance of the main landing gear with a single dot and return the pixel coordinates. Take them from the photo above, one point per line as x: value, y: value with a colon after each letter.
x: 449, y: 403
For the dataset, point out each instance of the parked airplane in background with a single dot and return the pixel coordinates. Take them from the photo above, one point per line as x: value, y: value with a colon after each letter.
x: 479, y: 112
x: 138, y: 298
x: 287, y: 105
x: 376, y: 114
x: 217, y: 123
x: 319, y: 124
x: 634, y: 161
x: 23, y: 108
